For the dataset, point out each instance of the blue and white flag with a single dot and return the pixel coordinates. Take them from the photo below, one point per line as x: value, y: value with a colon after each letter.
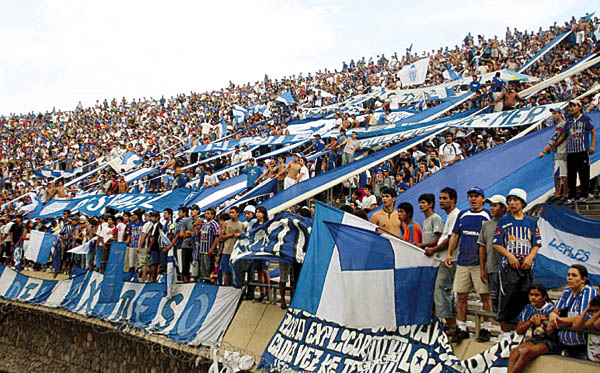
x: 48, y: 172
x: 567, y: 238
x: 386, y: 281
x: 83, y: 248
x: 34, y: 207
x: 39, y: 246
x: 171, y: 280
x: 239, y: 113
x: 283, y: 238
x: 286, y: 98
x: 127, y: 162
x: 415, y: 73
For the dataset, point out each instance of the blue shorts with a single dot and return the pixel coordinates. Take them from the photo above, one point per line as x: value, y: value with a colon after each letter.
x: 153, y: 260
x: 224, y: 266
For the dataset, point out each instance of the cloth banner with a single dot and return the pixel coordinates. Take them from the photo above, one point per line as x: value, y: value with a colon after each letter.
x: 39, y: 246
x: 567, y: 238
x: 196, y: 314
x: 94, y: 205
x: 283, y: 238
x: 125, y: 163
x: 415, y: 73
x: 113, y: 276
x: 304, y: 342
x: 48, y: 172
x: 511, y: 118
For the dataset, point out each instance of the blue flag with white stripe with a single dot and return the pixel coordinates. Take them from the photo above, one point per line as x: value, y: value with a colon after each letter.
x: 567, y: 238
x: 39, y: 246
x: 387, y: 282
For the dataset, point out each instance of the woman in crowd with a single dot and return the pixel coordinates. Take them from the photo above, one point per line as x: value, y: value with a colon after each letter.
x: 574, y: 300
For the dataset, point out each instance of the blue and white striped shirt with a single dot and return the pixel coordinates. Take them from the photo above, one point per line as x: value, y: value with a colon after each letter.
x: 576, y: 308
x: 517, y: 236
x: 578, y: 132
x: 530, y: 310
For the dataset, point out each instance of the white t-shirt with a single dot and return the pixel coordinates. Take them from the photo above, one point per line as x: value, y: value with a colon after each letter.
x: 236, y: 158
x: 447, y: 232
x: 121, y: 232
x: 147, y: 228
x: 246, y: 155
x: 369, y: 201
x: 448, y: 152
x: 105, y: 232
x: 304, y: 175
x: 206, y: 128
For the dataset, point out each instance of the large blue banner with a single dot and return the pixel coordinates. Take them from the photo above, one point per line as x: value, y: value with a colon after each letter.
x: 113, y: 276
x: 305, y: 343
x: 94, y: 205
x: 195, y: 313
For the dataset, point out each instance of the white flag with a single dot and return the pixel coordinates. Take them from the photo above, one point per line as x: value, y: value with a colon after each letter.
x: 414, y: 74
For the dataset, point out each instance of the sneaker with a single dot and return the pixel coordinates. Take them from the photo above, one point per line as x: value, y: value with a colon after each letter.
x: 450, y: 332
x: 570, y: 201
x: 460, y: 336
x: 484, y: 336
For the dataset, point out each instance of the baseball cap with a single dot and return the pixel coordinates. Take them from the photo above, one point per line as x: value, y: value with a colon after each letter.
x: 519, y: 193
x: 575, y: 102
x: 477, y: 190
x: 429, y: 144
x: 250, y: 208
x: 556, y: 110
x: 497, y: 198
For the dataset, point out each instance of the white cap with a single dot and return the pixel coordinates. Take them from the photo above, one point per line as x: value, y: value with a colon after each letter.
x: 250, y: 208
x: 519, y: 193
x: 497, y: 198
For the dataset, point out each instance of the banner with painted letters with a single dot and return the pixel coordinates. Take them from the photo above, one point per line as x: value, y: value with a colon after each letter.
x: 195, y: 313
x: 94, y: 205
x: 567, y: 238
x: 305, y: 343
x: 512, y: 118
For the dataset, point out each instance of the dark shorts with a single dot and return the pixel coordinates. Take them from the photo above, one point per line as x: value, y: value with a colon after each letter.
x: 162, y: 259
x: 105, y: 253
x: 224, y: 266
x: 514, y: 292
x: 186, y: 259
x: 550, y: 341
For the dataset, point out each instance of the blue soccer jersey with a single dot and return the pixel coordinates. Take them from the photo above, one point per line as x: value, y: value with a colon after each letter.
x: 578, y: 132
x: 517, y: 236
x: 530, y: 310
x: 468, y: 225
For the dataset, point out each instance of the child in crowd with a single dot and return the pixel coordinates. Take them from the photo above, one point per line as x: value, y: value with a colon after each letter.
x: 532, y: 317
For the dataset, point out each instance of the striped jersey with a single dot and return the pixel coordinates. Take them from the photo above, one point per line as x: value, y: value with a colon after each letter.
x: 578, y: 134
x: 530, y: 310
x: 209, y: 231
x: 577, y: 304
x: 517, y: 236
x: 468, y: 225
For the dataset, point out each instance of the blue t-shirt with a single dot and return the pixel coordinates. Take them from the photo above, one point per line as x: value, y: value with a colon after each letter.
x: 319, y: 145
x: 468, y: 225
x: 530, y: 310
x: 578, y: 132
x: 134, y: 230
x: 497, y: 83
x: 253, y: 173
x: 474, y: 86
x: 517, y: 236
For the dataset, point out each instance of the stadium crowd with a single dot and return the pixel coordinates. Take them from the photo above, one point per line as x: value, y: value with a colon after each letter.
x: 160, y: 130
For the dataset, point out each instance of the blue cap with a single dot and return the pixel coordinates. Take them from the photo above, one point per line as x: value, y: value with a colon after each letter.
x: 477, y: 190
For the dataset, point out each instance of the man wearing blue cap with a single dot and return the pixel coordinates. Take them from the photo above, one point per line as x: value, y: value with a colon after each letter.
x: 468, y: 272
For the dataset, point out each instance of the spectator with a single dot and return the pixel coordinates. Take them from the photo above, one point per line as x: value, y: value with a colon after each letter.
x: 293, y: 170
x: 590, y: 319
x: 450, y: 152
x: 489, y: 259
x: 531, y: 317
x: 574, y: 300
x: 207, y: 235
x: 253, y: 172
x: 559, y: 155
x: 262, y: 266
x: 468, y: 272
x: 387, y: 218
x: 517, y: 239
x: 433, y: 224
x: 578, y: 130
x: 350, y: 145
x: 369, y: 201
x: 231, y: 232
x: 410, y: 230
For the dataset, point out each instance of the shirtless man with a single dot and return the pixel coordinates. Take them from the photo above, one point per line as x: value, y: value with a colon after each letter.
x: 122, y: 185
x: 510, y: 97
x: 281, y: 172
x: 293, y: 168
x: 170, y: 164
x: 271, y: 171
x: 61, y: 192
x: 50, y: 191
x: 387, y: 218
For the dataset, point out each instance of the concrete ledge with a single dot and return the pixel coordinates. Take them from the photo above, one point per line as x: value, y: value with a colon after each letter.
x: 543, y: 364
